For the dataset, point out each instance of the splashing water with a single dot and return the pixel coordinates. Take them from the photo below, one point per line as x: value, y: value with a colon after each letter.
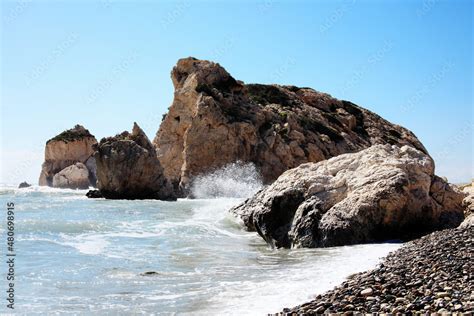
x: 235, y: 180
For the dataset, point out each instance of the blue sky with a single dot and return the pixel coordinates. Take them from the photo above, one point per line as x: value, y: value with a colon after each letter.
x: 105, y: 64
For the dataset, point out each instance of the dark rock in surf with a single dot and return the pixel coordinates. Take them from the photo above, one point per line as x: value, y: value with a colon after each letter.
x: 149, y: 273
x: 24, y: 185
x: 94, y: 194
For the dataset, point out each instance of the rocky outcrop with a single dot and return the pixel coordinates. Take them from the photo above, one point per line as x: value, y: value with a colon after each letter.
x: 128, y: 168
x: 468, y: 221
x: 468, y: 201
x: 380, y: 193
x: 468, y: 204
x: 66, y: 149
x: 215, y: 120
x: 75, y: 176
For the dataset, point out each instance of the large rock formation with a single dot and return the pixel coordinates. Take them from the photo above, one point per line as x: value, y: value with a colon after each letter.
x: 128, y: 168
x: 380, y: 193
x: 66, y: 149
x: 215, y: 120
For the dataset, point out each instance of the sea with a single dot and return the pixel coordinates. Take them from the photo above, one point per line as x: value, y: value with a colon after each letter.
x: 80, y: 256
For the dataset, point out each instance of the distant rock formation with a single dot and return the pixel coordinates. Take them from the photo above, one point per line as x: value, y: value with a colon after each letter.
x: 66, y: 150
x: 380, y: 193
x: 24, y: 185
x: 128, y: 168
x: 215, y: 120
x: 75, y: 176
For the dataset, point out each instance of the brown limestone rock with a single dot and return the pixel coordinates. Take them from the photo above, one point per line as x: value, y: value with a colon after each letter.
x: 75, y: 176
x: 64, y: 150
x: 127, y: 168
x: 215, y: 120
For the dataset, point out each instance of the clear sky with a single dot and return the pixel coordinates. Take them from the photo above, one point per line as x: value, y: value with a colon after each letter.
x: 105, y: 64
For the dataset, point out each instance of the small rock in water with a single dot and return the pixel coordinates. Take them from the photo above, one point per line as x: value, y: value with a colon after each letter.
x: 24, y: 185
x: 148, y: 273
x: 94, y: 194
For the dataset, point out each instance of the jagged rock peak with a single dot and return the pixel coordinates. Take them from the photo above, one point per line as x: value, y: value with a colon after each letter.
x: 202, y: 72
x: 128, y: 168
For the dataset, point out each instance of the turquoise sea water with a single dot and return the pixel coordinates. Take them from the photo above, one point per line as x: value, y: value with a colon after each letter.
x: 91, y: 257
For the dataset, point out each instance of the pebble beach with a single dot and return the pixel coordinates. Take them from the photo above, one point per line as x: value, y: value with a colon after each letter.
x: 433, y: 274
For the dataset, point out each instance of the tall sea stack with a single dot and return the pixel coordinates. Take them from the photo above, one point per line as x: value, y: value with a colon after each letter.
x: 68, y: 161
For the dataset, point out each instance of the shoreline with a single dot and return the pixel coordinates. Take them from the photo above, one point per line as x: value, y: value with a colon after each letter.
x: 432, y: 274
x: 183, y: 272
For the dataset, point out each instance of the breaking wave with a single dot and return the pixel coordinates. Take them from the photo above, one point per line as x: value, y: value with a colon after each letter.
x: 235, y: 180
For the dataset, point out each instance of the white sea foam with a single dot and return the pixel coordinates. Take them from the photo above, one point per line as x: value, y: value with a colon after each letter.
x: 86, y: 244
x: 37, y: 188
x: 235, y: 180
x: 294, y: 284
